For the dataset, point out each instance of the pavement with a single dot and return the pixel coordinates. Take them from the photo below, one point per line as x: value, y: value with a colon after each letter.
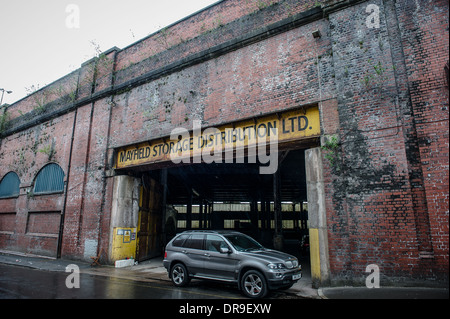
x: 153, y: 270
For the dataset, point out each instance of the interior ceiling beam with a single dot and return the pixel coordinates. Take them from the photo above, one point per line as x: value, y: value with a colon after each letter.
x: 238, y: 181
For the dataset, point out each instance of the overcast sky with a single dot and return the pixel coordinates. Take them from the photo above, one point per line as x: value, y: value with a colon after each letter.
x: 41, y: 41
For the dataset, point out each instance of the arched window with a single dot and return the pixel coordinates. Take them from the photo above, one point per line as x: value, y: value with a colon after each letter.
x: 49, y: 180
x: 9, y: 186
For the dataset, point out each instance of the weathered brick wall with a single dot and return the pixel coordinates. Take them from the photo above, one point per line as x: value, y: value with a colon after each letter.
x: 26, y: 153
x: 77, y: 141
x: 70, y: 119
x: 267, y: 76
x: 381, y: 91
x: 224, y: 21
x: 425, y: 40
x: 380, y: 209
x: 85, y: 204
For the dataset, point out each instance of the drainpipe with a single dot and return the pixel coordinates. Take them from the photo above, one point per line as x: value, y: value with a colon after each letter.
x: 63, y: 213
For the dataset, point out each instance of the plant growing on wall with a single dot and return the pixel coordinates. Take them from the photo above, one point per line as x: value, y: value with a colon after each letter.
x: 49, y: 150
x: 163, y: 38
x: 375, y: 77
x: 39, y: 98
x: 4, y: 120
x: 331, y: 151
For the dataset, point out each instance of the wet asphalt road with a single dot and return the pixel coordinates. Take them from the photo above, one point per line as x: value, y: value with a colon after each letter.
x: 18, y: 282
x: 23, y: 283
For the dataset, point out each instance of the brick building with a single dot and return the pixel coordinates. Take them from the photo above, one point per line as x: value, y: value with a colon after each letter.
x: 357, y: 92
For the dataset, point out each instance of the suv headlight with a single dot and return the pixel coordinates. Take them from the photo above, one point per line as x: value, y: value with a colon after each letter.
x: 276, y: 266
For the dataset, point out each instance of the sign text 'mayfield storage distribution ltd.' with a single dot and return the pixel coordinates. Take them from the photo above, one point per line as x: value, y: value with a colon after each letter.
x: 278, y: 128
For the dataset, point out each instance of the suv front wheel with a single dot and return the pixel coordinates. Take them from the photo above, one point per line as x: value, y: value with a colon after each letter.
x: 254, y: 284
x: 179, y: 275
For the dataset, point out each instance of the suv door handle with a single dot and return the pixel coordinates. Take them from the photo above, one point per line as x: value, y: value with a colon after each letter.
x: 207, y: 255
x: 184, y: 251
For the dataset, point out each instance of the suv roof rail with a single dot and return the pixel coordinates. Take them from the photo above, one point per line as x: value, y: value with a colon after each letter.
x: 210, y: 231
x: 200, y: 231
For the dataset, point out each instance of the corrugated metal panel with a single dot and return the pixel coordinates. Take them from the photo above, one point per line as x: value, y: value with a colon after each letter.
x: 50, y: 179
x: 9, y: 185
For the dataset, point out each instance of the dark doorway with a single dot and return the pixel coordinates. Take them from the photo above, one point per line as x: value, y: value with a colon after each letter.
x: 236, y: 196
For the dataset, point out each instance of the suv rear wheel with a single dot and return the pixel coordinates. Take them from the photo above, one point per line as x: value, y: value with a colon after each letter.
x: 254, y: 284
x: 179, y: 275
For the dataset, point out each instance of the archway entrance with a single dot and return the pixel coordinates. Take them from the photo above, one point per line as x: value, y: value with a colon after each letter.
x: 201, y: 193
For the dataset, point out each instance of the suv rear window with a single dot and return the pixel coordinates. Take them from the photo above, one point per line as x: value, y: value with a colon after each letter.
x: 194, y: 242
x: 178, y: 242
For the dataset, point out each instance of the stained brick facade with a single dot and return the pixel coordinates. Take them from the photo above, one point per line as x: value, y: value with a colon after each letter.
x: 382, y: 91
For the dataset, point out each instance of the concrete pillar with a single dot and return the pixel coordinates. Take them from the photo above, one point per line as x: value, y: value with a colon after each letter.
x: 318, y: 239
x: 124, y: 212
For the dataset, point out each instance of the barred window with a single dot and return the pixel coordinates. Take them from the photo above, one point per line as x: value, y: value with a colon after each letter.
x: 49, y: 180
x: 9, y: 185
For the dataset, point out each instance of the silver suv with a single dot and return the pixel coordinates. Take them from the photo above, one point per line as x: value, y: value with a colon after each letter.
x: 232, y: 257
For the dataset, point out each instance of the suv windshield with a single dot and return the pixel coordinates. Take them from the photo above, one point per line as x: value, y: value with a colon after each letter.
x: 243, y: 243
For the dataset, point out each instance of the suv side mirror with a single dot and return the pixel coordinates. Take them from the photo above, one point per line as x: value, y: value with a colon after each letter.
x: 225, y: 250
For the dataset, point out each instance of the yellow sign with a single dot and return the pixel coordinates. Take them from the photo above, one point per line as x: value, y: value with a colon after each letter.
x: 124, y: 243
x: 182, y: 144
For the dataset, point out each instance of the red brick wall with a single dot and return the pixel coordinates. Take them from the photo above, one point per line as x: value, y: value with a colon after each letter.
x: 425, y: 40
x: 387, y: 195
x: 202, y: 31
x: 26, y: 153
x: 380, y: 211
x: 86, y: 188
x: 268, y: 76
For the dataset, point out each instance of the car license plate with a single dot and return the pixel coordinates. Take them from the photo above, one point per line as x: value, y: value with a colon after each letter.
x: 297, y: 276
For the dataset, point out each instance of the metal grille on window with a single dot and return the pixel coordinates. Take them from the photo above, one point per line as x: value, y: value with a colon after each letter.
x: 49, y: 180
